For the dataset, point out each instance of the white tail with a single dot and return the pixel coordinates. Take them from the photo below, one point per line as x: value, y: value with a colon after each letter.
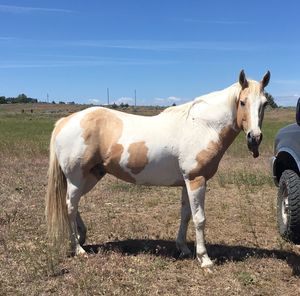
x: 56, y: 206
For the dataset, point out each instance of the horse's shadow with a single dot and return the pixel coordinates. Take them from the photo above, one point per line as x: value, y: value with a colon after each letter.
x: 218, y: 252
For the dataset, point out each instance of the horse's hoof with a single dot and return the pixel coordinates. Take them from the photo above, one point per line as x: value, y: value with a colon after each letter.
x: 184, y: 251
x: 185, y: 255
x: 205, y: 262
x: 80, y: 252
x: 81, y: 240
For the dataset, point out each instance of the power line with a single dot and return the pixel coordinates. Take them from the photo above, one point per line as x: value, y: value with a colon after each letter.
x: 107, y: 96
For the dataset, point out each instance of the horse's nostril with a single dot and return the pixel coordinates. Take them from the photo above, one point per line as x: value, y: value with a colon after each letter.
x: 254, y: 138
x: 259, y: 138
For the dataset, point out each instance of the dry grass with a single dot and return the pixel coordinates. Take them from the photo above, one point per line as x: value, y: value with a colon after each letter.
x: 131, y: 232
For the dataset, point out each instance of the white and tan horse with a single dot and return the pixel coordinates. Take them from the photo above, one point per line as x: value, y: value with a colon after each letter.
x: 182, y: 146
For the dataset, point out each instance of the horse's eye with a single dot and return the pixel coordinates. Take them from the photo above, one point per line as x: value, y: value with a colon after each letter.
x: 242, y: 103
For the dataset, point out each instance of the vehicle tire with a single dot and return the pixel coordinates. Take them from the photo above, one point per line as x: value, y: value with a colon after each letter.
x: 288, y: 206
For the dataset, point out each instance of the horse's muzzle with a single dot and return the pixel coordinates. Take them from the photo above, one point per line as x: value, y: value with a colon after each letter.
x: 253, y: 141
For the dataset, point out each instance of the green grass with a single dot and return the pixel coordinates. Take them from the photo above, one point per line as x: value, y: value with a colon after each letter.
x: 245, y: 278
x: 244, y: 178
x: 30, y: 133
x: 25, y: 134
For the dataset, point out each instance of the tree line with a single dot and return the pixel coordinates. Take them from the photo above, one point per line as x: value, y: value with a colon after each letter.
x: 21, y: 98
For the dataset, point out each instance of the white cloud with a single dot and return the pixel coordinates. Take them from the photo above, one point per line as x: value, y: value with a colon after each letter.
x: 7, y: 38
x: 94, y: 101
x: 28, y: 9
x: 124, y: 100
x: 217, y: 22
x: 169, y: 100
x: 174, y: 99
x: 287, y: 81
x: 155, y: 45
x: 143, y: 45
x: 81, y: 62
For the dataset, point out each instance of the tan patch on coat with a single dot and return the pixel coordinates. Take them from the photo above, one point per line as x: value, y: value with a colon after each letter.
x: 197, y: 183
x: 137, y: 157
x: 112, y: 164
x: 243, y: 111
x: 61, y: 123
x: 101, y: 131
x: 208, y: 159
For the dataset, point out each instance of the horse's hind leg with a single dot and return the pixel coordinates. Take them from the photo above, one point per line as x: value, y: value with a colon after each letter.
x: 73, y: 197
x: 81, y: 228
x: 77, y: 187
x: 185, y: 218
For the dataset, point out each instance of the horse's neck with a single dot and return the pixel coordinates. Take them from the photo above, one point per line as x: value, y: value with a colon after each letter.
x: 215, y: 116
x: 210, y: 118
x: 216, y: 110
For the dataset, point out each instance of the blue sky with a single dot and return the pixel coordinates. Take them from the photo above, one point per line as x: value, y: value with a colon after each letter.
x: 169, y: 51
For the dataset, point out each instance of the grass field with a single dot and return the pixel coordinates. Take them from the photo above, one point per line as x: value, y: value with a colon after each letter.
x: 132, y: 230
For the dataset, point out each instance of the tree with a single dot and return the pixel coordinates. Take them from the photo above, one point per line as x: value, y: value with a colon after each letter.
x: 271, y: 100
x: 21, y: 98
x: 3, y: 100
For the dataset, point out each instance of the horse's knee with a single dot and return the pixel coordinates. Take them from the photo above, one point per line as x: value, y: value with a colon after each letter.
x: 199, y: 221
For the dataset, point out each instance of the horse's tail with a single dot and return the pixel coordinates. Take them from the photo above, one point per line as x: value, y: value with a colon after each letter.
x: 56, y: 206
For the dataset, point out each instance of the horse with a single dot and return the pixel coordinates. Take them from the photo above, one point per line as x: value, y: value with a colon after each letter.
x: 181, y: 146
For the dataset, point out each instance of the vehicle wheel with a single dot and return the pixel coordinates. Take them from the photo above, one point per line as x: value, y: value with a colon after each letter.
x: 288, y: 206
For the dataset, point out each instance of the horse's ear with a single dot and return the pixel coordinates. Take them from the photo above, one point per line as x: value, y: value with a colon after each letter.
x: 243, y: 80
x: 266, y: 79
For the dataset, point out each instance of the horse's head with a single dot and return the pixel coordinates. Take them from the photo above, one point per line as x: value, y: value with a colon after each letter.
x: 250, y: 109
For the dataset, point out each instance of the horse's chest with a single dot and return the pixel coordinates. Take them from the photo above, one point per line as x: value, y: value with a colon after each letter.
x: 207, y: 162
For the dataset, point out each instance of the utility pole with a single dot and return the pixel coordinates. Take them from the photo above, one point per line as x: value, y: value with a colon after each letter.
x: 135, y: 98
x: 47, y: 98
x: 108, y: 96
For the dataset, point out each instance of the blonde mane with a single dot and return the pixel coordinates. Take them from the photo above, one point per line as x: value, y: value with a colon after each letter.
x: 210, y: 98
x: 183, y: 109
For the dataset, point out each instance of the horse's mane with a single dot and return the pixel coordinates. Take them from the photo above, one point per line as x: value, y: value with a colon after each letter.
x: 210, y: 98
x: 183, y: 109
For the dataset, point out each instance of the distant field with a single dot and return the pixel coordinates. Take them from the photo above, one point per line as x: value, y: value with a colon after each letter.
x: 132, y: 230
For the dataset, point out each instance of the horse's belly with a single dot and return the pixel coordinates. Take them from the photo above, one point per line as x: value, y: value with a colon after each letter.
x: 157, y: 171
x: 162, y: 174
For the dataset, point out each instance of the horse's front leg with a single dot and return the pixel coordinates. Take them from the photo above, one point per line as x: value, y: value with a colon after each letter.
x: 196, y: 192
